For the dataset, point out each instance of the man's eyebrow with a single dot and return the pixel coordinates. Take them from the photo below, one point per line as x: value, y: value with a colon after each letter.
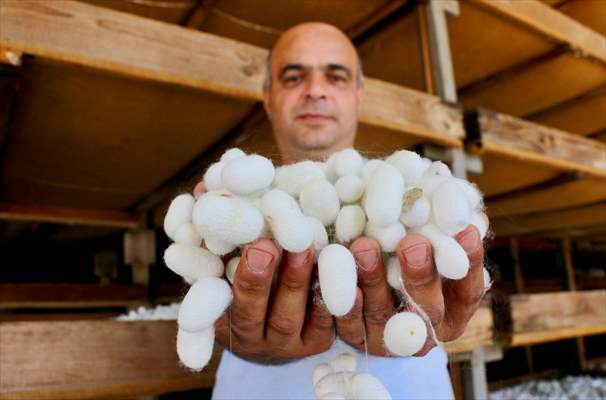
x: 290, y: 67
x: 339, y: 67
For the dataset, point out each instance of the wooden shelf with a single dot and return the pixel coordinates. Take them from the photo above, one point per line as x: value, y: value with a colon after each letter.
x: 93, y: 359
x: 70, y: 295
x: 545, y: 317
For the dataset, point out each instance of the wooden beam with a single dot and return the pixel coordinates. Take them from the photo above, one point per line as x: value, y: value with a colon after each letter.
x: 64, y: 31
x: 551, y: 23
x: 547, y: 80
x: 94, y: 359
x: 491, y: 132
x: 574, y: 193
x: 360, y: 28
x: 581, y: 115
x: 554, y: 316
x: 592, y: 216
x: 199, y: 14
x: 70, y: 216
x: 69, y: 295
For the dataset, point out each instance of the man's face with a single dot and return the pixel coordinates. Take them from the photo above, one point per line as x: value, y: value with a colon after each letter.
x: 314, y: 99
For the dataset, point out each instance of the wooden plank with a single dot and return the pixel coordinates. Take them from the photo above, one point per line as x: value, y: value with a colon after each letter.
x: 593, y: 216
x: 554, y: 316
x: 171, y: 11
x: 370, y: 21
x: 570, y: 194
x: 546, y: 80
x: 551, y: 23
x: 477, y: 33
x: 498, y: 170
x: 64, y: 31
x: 69, y: 291
x: 93, y: 359
x: 69, y: 216
x: 405, y: 110
x: 478, y: 332
x: 69, y: 295
x: 591, y: 13
x: 582, y: 115
x: 392, y: 53
x: 525, y: 141
x: 199, y: 14
x: 57, y: 157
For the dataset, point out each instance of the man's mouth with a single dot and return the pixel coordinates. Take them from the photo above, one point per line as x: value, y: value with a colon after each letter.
x: 313, y: 117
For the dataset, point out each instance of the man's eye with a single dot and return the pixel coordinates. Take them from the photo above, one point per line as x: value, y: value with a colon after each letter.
x: 338, y: 78
x: 292, y: 79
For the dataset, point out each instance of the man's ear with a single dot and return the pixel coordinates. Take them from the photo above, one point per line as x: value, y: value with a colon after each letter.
x: 267, y: 103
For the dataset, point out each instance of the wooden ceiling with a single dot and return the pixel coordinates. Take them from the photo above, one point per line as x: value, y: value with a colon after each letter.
x: 109, y: 127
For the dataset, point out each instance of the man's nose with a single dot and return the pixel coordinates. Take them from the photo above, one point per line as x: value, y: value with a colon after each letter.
x: 316, y: 87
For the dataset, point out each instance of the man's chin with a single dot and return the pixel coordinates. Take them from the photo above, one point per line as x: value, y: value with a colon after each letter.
x: 313, y: 140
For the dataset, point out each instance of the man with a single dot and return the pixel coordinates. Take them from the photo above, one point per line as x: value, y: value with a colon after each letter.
x: 313, y: 94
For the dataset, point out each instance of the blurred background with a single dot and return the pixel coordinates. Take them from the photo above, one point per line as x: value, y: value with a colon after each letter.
x: 108, y: 108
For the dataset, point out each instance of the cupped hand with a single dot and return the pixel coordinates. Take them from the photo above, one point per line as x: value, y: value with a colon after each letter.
x: 273, y: 322
x: 448, y: 304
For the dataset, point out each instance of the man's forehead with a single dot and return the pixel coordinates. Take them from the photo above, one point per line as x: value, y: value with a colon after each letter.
x: 314, y: 47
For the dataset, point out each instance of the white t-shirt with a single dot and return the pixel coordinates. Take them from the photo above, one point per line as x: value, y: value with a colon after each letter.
x: 405, y: 378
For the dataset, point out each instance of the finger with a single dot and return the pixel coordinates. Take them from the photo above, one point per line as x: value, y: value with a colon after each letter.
x: 421, y: 279
x: 378, y: 299
x: 319, y: 328
x: 350, y: 326
x: 199, y: 189
x: 252, y: 285
x: 287, y: 310
x: 463, y: 296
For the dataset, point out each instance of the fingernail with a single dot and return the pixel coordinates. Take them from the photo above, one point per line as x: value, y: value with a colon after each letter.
x: 416, y: 255
x: 297, y: 260
x: 258, y: 260
x: 367, y: 259
x: 470, y: 241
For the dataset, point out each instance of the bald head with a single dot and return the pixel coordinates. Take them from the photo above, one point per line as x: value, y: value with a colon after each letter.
x: 313, y: 91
